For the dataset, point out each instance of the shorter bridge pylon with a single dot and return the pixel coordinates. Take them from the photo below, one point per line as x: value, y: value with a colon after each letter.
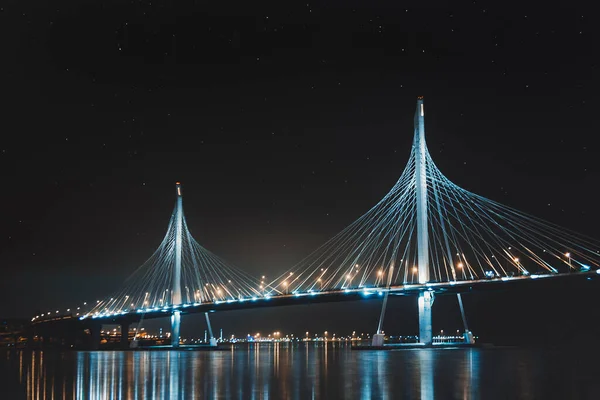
x: 180, y: 274
x: 176, y: 290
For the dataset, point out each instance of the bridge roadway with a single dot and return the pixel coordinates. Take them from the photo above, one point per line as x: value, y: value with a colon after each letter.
x: 330, y: 296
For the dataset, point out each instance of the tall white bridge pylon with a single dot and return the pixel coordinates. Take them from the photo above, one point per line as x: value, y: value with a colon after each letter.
x: 427, y: 229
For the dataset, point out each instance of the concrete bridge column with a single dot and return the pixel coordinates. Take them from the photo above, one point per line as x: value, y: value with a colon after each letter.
x: 425, y: 303
x: 213, y: 340
x: 175, y: 328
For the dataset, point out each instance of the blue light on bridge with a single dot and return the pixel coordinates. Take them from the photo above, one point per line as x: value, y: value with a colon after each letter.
x: 585, y: 267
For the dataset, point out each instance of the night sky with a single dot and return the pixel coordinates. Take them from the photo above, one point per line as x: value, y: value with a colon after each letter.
x: 284, y: 121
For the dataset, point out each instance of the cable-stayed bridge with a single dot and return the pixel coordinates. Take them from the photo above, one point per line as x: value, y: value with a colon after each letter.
x: 426, y: 236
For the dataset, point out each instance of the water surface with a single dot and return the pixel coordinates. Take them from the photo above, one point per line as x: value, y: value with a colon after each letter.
x: 301, y: 371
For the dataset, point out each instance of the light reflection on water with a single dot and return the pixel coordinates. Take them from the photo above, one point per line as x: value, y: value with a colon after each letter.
x: 292, y: 371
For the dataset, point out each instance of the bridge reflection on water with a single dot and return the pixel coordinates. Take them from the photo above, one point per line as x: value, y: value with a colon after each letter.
x: 297, y: 371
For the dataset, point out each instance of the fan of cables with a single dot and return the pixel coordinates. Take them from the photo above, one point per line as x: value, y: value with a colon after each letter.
x: 469, y: 237
x: 204, y: 278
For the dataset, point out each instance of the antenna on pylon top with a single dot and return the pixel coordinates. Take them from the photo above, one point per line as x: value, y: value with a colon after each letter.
x: 178, y: 186
x: 419, y: 97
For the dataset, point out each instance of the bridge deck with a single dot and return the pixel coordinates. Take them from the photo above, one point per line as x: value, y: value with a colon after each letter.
x: 349, y: 294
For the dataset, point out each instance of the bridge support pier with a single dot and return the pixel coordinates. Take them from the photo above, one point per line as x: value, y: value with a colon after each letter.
x: 468, y: 335
x: 425, y: 303
x: 213, y: 341
x: 175, y: 328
